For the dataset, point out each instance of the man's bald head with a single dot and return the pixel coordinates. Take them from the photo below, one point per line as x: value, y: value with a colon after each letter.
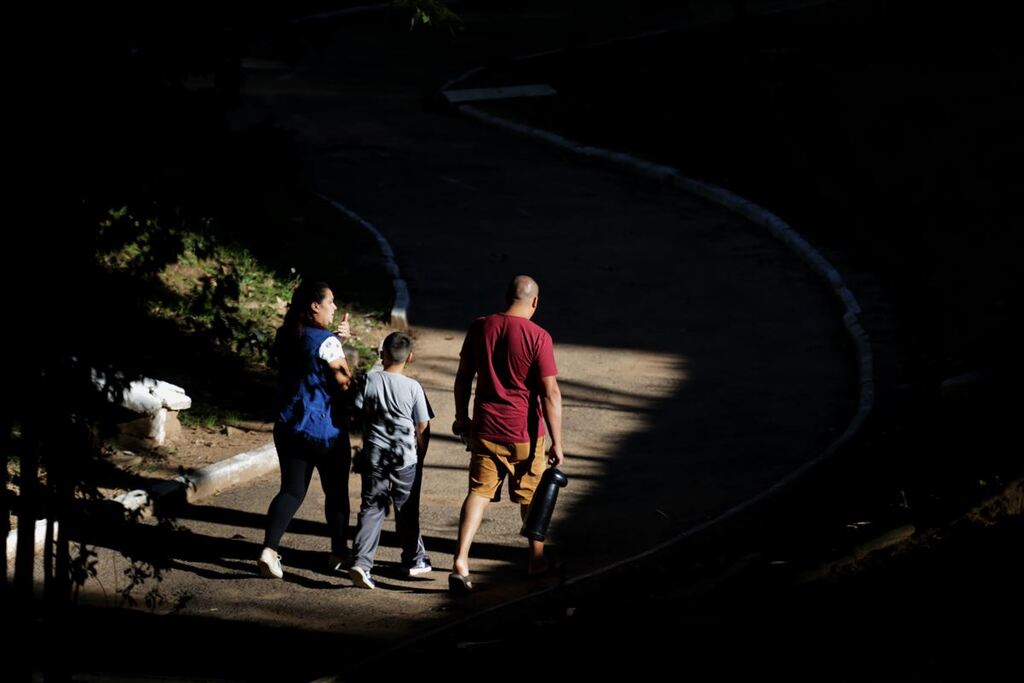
x: 522, y: 290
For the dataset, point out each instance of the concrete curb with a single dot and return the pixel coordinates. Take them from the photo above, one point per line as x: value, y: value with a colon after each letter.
x: 204, y: 482
x: 191, y: 487
x: 756, y: 214
x: 399, y: 316
x: 779, y: 229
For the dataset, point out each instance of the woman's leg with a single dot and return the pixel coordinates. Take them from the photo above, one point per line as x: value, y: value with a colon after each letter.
x: 334, y: 466
x: 296, y: 472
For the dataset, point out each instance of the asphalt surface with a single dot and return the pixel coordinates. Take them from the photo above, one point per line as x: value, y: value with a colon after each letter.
x: 700, y: 362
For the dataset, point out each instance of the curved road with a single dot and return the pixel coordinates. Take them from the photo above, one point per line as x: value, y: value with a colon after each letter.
x: 700, y: 361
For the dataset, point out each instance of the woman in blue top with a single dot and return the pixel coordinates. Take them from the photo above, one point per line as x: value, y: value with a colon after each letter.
x: 310, y: 429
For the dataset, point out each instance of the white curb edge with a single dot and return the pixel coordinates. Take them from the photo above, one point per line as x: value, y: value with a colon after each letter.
x: 399, y: 316
x: 195, y: 486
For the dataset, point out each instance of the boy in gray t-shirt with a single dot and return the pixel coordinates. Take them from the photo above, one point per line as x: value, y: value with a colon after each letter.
x: 396, y: 430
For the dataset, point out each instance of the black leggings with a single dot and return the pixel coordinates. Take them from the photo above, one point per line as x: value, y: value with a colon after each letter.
x: 298, y: 458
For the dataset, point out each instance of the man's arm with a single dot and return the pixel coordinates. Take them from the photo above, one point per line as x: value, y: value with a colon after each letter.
x: 551, y: 402
x: 463, y: 389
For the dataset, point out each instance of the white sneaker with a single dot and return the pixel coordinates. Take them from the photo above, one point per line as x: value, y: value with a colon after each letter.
x: 419, y: 569
x: 361, y: 578
x: 270, y: 565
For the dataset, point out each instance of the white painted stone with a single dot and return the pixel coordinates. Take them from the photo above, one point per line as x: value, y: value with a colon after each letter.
x: 157, y: 403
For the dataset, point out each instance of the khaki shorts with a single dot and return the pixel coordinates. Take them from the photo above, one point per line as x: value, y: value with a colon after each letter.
x: 491, y: 462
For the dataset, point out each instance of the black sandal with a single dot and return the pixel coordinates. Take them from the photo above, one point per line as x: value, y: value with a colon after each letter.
x: 459, y: 584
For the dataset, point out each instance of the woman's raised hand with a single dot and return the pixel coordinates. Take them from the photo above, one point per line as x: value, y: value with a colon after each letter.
x: 343, y: 329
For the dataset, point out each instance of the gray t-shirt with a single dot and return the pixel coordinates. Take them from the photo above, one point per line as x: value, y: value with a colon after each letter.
x: 392, y: 405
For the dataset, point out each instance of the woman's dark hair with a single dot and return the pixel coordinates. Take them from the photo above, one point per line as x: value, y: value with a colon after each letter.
x: 297, y: 317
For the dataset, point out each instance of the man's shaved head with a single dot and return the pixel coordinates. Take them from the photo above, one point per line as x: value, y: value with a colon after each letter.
x: 522, y: 289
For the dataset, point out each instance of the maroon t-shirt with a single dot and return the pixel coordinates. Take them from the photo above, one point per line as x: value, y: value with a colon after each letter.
x: 510, y: 355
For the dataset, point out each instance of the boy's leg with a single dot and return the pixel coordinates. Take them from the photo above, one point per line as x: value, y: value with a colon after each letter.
x: 376, y: 490
x: 405, y: 492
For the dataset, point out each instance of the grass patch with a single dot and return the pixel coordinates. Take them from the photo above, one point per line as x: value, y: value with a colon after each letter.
x: 208, y: 417
x: 208, y: 296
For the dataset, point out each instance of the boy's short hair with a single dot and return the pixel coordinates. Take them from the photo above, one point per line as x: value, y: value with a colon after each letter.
x: 397, y: 346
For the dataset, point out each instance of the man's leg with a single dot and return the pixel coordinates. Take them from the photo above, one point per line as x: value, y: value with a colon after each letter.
x: 485, y: 475
x: 469, y: 523
x: 536, y: 563
x: 529, y: 468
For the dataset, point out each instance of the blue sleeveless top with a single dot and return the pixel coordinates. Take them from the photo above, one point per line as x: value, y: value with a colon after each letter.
x: 309, y: 399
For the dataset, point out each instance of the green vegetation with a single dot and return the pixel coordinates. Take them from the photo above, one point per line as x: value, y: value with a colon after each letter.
x: 430, y: 14
x: 208, y: 417
x: 211, y: 294
x: 220, y: 292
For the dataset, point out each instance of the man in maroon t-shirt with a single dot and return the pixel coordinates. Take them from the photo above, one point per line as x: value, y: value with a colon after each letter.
x: 516, y: 394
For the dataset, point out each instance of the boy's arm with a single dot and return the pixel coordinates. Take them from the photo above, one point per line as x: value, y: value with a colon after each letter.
x: 421, y: 415
x: 355, y: 417
x: 422, y: 437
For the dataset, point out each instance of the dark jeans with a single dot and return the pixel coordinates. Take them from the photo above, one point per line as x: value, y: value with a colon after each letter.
x: 298, y: 458
x: 383, y: 483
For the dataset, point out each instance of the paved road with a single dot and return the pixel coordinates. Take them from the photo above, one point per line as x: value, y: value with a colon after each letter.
x: 700, y: 362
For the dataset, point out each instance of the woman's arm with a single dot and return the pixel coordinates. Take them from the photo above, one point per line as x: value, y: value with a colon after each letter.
x: 342, y: 373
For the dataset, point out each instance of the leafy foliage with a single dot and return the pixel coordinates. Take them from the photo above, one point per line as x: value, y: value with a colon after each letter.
x: 430, y: 14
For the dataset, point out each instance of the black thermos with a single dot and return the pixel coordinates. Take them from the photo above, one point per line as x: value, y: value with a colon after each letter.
x: 535, y: 526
